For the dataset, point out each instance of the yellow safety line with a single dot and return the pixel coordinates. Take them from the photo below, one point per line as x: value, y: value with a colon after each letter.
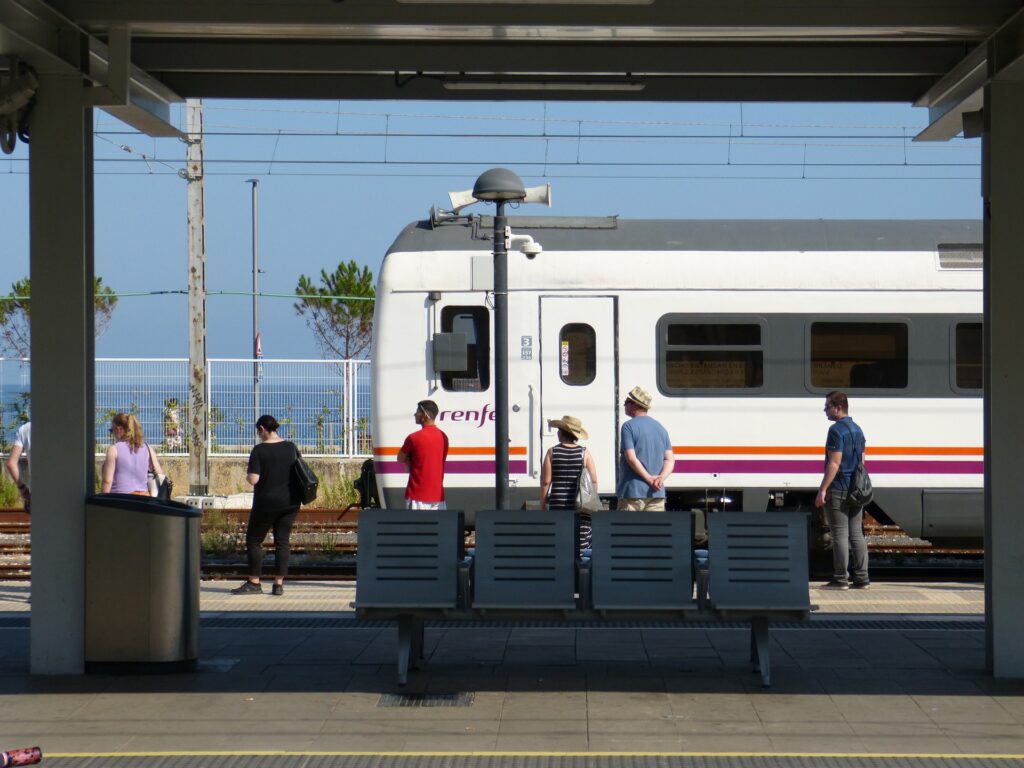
x: 287, y: 753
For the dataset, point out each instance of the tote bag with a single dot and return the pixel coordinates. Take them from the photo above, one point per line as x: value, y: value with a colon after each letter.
x: 587, y: 499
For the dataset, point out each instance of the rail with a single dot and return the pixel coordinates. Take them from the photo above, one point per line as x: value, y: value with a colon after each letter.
x: 323, y: 544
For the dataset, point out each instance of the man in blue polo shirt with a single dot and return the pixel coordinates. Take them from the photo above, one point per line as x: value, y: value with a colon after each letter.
x: 647, y: 457
x: 844, y: 447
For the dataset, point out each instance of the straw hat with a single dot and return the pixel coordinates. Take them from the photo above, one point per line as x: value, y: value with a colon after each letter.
x: 640, y: 396
x: 570, y: 424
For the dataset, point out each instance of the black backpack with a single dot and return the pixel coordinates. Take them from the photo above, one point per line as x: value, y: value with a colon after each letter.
x: 366, y: 485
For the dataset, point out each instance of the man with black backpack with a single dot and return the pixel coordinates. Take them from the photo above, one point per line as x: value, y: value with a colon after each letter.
x: 844, y: 453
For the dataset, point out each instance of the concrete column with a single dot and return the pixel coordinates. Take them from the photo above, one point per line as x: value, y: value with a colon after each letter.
x: 60, y: 183
x: 1003, y: 190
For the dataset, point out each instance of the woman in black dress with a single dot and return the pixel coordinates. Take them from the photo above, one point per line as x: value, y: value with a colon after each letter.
x: 275, y: 504
x: 560, y: 473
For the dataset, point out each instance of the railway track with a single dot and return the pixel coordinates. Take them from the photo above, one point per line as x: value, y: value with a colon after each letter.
x: 324, y: 547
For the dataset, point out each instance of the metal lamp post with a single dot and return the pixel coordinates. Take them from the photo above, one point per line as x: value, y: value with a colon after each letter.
x: 255, y: 301
x: 500, y: 185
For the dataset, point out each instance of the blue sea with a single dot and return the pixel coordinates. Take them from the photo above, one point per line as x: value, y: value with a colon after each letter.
x: 317, y: 418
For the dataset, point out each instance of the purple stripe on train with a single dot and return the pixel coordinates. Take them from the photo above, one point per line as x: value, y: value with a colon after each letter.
x: 807, y: 467
x: 454, y: 467
x: 731, y: 466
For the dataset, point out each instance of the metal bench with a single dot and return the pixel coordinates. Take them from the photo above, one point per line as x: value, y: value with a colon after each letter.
x: 409, y: 565
x: 642, y: 567
x: 758, y: 571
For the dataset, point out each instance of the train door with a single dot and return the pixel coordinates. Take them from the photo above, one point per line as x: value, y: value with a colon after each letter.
x: 578, y: 355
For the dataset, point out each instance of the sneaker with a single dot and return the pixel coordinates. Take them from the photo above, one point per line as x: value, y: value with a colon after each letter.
x: 861, y: 585
x: 248, y: 588
x: 835, y: 585
x: 277, y: 589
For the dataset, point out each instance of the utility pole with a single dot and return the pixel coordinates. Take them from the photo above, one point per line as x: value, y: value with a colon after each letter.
x: 198, y: 470
x: 256, y: 351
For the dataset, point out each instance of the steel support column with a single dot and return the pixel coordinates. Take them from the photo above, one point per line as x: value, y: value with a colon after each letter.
x: 1002, y: 171
x: 61, y: 186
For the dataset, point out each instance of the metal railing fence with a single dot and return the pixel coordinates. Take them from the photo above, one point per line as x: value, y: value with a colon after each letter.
x: 323, y: 405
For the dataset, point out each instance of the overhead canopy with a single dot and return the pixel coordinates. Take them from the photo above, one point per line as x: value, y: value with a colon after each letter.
x: 651, y: 50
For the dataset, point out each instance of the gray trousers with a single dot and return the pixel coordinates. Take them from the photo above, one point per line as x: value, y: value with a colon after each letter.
x: 849, y: 547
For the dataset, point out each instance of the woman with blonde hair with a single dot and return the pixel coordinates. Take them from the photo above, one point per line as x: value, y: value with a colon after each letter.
x: 129, y: 458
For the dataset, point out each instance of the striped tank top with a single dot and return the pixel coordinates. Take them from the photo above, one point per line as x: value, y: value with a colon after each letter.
x: 566, y: 465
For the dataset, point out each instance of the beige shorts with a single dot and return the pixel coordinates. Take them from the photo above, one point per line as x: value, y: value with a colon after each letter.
x: 413, y: 504
x: 642, y: 505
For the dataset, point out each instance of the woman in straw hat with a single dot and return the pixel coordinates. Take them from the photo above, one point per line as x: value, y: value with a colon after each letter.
x: 560, y: 475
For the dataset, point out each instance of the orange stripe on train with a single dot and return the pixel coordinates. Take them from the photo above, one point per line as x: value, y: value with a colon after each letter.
x: 465, y: 450
x: 793, y: 450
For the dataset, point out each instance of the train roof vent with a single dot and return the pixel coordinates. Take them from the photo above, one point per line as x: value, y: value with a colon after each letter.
x: 960, y: 255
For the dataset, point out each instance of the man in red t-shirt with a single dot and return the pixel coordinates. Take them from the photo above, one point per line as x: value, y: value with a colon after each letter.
x: 424, y: 453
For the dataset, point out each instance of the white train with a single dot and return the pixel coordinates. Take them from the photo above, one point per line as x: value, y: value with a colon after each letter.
x: 738, y: 328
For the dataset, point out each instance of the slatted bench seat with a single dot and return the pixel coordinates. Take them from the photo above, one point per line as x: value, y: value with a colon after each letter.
x: 642, y: 561
x: 757, y: 564
x: 525, y: 560
x: 411, y: 568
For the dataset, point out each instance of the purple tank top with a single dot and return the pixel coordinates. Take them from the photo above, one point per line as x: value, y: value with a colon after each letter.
x: 130, y: 469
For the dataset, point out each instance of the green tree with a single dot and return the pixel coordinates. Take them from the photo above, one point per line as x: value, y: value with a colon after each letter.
x: 339, y: 311
x: 16, y: 313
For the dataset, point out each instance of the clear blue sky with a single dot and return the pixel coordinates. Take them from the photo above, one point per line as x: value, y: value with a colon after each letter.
x: 338, y: 181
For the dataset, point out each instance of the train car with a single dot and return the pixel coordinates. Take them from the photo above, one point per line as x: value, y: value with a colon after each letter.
x: 738, y: 328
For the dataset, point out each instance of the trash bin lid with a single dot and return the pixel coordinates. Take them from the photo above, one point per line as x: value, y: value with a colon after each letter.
x: 143, y: 504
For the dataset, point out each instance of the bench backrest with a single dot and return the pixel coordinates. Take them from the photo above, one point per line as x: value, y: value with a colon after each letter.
x: 524, y: 559
x: 408, y: 558
x: 758, y: 560
x: 642, y: 560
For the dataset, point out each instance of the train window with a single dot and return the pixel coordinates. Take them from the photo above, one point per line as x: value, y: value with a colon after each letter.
x: 708, y: 355
x: 968, y: 356
x: 577, y: 349
x: 475, y: 323
x: 859, y: 355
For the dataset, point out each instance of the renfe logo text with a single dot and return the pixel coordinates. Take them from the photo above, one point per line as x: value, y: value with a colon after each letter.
x: 478, y: 417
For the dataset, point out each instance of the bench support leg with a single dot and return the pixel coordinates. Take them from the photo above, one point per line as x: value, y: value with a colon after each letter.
x: 406, y: 631
x: 760, y: 641
x: 416, y: 651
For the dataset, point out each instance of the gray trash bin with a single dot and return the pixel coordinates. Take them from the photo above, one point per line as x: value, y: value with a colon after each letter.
x: 141, y: 584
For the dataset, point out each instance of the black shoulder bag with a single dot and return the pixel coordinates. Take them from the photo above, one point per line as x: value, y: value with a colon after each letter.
x: 304, y: 479
x: 861, y: 490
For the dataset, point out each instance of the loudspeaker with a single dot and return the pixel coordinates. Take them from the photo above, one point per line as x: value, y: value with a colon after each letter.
x: 541, y: 194
x: 461, y: 199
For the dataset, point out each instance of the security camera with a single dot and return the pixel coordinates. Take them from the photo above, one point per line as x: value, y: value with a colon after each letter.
x: 530, y: 250
x: 523, y: 243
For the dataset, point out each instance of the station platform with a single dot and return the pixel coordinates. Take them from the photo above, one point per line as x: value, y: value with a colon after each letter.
x: 891, y: 676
